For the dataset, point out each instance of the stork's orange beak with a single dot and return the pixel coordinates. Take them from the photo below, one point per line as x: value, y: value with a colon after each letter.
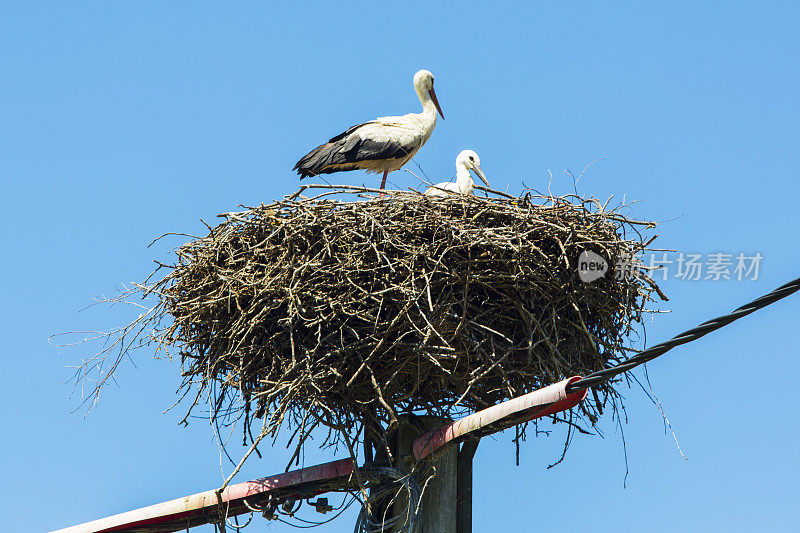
x: 435, y: 101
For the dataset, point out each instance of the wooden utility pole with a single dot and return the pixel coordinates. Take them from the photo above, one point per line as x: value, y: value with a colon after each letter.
x: 436, y: 475
x: 464, y: 479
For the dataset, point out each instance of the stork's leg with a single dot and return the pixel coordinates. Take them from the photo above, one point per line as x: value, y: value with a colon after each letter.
x: 383, y: 182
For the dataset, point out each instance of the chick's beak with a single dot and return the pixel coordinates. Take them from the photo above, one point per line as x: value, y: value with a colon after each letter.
x: 436, y: 101
x: 477, y: 169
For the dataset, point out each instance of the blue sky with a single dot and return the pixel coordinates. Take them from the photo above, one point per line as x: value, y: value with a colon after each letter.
x: 120, y: 121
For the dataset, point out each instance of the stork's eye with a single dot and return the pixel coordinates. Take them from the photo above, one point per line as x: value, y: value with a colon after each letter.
x: 471, y: 158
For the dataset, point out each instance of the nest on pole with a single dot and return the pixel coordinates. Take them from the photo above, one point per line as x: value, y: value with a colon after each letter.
x: 319, y: 311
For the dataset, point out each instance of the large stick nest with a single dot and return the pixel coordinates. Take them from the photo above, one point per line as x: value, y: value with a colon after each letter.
x: 344, y: 314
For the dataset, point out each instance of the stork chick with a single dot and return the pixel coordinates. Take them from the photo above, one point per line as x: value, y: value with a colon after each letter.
x: 467, y: 160
x: 382, y: 145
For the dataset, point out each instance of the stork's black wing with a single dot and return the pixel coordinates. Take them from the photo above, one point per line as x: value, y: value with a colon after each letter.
x: 344, y: 152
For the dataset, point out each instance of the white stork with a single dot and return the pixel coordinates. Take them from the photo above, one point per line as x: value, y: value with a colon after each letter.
x: 467, y: 160
x: 382, y: 145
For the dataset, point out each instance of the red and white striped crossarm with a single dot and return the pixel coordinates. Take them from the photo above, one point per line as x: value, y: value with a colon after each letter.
x: 537, y: 404
x: 204, y: 507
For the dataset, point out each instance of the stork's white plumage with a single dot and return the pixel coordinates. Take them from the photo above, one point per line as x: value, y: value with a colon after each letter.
x: 382, y: 145
x: 467, y: 160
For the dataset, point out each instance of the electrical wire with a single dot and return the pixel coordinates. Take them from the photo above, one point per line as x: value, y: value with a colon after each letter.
x: 403, y: 522
x: 687, y: 336
x: 236, y: 526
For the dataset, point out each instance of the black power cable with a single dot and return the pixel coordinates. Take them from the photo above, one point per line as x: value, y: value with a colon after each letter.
x: 687, y: 336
